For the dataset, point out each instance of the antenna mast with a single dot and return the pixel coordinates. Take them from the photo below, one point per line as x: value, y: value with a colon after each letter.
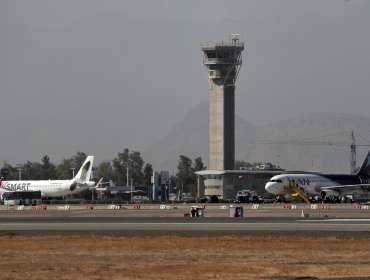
x: 353, y: 153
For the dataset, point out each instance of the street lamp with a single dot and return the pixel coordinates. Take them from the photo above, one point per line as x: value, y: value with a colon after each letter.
x: 127, y: 163
x: 19, y: 167
x: 73, y: 167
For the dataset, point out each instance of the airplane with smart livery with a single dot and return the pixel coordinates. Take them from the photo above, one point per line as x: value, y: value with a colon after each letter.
x: 54, y: 188
x: 322, y: 185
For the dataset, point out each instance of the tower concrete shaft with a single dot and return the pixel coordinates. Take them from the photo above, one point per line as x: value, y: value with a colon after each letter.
x: 222, y: 63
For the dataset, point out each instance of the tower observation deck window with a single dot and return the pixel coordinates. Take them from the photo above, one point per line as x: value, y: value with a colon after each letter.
x: 211, y: 55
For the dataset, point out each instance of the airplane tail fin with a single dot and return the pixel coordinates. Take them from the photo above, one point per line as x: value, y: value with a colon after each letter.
x: 84, y: 173
x: 365, y: 168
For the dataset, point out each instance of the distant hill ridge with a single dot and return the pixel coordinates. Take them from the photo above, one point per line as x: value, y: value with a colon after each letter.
x: 190, y: 137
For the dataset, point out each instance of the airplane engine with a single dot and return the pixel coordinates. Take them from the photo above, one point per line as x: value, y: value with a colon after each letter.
x: 329, y: 193
x: 73, y: 187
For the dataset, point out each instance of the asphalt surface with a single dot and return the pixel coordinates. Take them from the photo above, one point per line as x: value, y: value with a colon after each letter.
x: 271, y: 220
x: 186, y: 227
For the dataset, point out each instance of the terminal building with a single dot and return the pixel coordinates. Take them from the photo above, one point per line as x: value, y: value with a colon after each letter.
x: 222, y: 63
x: 226, y: 183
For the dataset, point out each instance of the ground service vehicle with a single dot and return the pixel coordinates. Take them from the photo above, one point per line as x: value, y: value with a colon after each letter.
x: 22, y: 198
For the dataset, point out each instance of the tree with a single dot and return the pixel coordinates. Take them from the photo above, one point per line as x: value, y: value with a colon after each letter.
x: 131, y: 161
x: 78, y: 159
x: 64, y: 169
x: 105, y: 170
x: 136, y: 168
x: 32, y: 171
x: 68, y: 168
x: 184, y: 176
x: 48, y: 169
x: 148, y: 173
x: 119, y: 167
x: 39, y: 171
x: 198, y: 164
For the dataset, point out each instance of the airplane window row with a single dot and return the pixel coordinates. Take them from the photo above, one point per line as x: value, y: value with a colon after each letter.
x: 319, y: 181
x: 277, y: 181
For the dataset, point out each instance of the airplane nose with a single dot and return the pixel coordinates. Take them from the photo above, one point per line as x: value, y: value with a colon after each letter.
x: 271, y: 187
x: 268, y: 186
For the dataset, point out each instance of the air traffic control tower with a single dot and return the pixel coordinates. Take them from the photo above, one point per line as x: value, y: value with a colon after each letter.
x: 222, y: 62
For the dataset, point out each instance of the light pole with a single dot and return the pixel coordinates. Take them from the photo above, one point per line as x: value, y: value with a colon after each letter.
x: 19, y: 167
x: 73, y: 167
x: 127, y: 163
x: 127, y: 173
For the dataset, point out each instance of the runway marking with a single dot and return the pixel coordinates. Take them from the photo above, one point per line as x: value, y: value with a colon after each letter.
x: 187, y: 223
x: 338, y: 220
x: 165, y: 224
x: 350, y: 220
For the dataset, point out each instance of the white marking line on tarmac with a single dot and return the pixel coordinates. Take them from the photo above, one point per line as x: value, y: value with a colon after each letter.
x: 194, y: 224
x: 337, y: 220
x: 254, y: 223
x: 138, y: 223
x: 296, y: 226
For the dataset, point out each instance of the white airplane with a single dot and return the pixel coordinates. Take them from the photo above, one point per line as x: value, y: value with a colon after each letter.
x: 54, y: 188
x: 317, y: 184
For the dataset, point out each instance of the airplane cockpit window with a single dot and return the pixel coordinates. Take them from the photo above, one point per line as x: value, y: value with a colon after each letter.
x: 277, y: 181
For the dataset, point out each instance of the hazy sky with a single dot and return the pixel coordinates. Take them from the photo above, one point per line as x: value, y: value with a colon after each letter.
x: 100, y: 76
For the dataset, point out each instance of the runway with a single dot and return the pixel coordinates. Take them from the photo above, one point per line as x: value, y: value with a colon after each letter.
x: 269, y: 219
x: 152, y: 226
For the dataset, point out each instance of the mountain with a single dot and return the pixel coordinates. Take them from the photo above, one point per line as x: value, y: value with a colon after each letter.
x: 190, y: 137
x: 322, y: 141
x: 329, y: 135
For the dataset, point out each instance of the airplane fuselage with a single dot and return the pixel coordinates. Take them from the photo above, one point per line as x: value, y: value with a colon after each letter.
x: 315, y: 184
x: 54, y: 188
x: 48, y: 188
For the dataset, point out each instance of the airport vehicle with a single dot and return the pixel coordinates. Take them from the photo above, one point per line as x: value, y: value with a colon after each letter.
x: 210, y: 199
x: 246, y: 196
x: 309, y: 185
x: 22, y: 198
x: 247, y: 199
x: 54, y: 188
